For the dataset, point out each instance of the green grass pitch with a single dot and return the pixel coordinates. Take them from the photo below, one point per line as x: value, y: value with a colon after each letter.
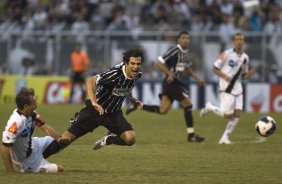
x: 161, y: 153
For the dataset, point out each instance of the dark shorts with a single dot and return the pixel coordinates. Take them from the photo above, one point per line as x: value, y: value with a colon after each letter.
x: 175, y: 90
x: 89, y: 119
x: 78, y: 77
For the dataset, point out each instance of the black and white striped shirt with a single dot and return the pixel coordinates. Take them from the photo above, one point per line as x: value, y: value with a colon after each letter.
x: 113, y: 86
x: 177, y: 60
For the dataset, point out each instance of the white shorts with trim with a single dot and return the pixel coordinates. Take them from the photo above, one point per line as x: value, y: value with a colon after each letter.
x: 229, y: 102
x: 35, y: 162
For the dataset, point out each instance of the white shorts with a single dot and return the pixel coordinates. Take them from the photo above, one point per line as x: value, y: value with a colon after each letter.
x: 229, y: 102
x: 35, y: 162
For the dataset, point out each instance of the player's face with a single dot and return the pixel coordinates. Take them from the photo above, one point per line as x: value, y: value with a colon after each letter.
x: 184, y: 40
x: 133, y: 66
x: 239, y: 42
x: 30, y: 108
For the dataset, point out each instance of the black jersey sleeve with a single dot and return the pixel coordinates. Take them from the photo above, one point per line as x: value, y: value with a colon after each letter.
x: 171, y: 53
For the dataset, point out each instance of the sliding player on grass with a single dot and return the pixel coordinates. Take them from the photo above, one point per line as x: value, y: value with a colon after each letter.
x: 106, y: 92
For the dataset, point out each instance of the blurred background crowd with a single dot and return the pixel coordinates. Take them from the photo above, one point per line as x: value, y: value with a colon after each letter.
x: 194, y: 15
x: 76, y: 17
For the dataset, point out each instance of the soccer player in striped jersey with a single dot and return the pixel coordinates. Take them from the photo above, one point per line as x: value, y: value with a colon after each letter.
x: 231, y: 66
x: 18, y: 145
x: 176, y: 63
x: 106, y: 92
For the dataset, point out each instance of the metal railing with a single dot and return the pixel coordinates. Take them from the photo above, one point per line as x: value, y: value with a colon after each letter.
x: 52, y: 50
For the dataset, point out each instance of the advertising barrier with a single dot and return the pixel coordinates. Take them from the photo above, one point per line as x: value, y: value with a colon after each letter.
x: 43, y: 86
x: 259, y: 97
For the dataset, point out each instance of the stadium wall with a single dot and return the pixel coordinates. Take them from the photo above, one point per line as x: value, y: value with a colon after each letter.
x: 259, y: 97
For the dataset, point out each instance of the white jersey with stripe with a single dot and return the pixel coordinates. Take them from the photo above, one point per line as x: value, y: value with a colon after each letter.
x: 229, y: 62
x: 17, y: 134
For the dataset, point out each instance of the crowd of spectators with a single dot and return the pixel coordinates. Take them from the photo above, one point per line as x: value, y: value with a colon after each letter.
x: 84, y: 15
x: 81, y: 16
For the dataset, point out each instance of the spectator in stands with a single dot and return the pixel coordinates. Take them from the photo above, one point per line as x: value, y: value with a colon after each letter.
x: 226, y: 30
x: 27, y: 66
x: 79, y: 27
x: 4, y: 69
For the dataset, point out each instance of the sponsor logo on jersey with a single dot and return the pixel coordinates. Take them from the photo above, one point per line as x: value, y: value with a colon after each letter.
x: 13, y: 128
x: 232, y: 63
x: 26, y: 132
x: 121, y: 91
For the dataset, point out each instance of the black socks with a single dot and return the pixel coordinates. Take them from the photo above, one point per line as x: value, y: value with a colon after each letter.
x: 151, y: 108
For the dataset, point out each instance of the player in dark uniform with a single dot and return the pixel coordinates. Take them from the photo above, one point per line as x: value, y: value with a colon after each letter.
x: 175, y: 63
x: 106, y: 92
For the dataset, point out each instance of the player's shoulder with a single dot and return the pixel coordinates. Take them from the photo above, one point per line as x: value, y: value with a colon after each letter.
x: 245, y: 55
x: 224, y: 54
x: 16, y: 115
x: 15, y: 118
x: 173, y: 49
x: 229, y: 51
x: 119, y: 65
x: 113, y: 69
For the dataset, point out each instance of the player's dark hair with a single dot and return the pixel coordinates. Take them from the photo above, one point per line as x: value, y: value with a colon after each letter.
x: 182, y: 33
x: 132, y: 53
x: 23, y: 97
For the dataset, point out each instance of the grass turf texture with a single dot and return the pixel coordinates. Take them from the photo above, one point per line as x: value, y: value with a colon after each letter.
x: 161, y: 154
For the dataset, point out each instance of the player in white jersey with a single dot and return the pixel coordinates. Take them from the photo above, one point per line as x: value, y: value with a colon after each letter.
x: 18, y: 146
x: 231, y: 66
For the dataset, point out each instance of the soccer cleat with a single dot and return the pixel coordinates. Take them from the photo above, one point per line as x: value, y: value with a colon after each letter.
x: 195, y: 138
x: 132, y: 107
x: 101, y: 142
x: 109, y: 133
x: 204, y: 111
x: 225, y: 141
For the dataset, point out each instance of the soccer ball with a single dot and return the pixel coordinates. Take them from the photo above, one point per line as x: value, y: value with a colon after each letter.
x: 266, y: 126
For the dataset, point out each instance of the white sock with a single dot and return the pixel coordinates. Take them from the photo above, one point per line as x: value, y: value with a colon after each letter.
x: 215, y: 110
x: 230, y: 127
x: 190, y: 130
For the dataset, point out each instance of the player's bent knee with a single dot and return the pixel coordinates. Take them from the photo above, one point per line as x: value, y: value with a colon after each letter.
x: 130, y: 142
x: 129, y: 138
x: 228, y: 116
x: 60, y: 168
x: 163, y: 111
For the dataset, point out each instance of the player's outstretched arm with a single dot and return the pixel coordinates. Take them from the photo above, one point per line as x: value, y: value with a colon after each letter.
x: 50, y: 131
